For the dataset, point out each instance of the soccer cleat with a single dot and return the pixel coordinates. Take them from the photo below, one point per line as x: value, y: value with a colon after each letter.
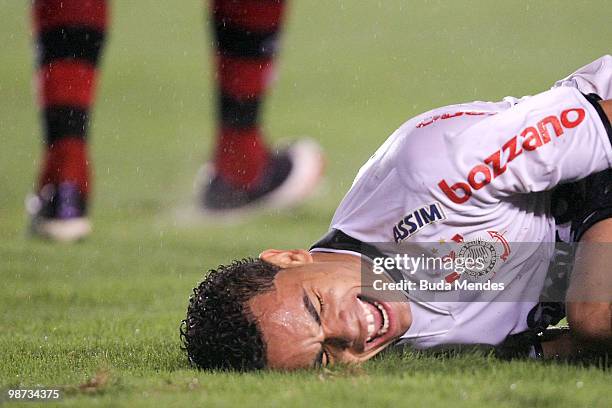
x: 290, y: 176
x: 58, y: 213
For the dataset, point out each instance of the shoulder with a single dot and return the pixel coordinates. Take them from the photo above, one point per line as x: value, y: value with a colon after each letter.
x: 432, y: 141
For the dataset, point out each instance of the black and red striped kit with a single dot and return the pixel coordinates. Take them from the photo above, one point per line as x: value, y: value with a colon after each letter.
x: 246, y: 41
x: 70, y: 35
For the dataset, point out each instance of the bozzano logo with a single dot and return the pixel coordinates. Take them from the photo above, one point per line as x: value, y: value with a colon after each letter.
x: 530, y: 139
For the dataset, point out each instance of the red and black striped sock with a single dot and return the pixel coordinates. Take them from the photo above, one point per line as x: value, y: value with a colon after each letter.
x: 246, y: 36
x: 70, y: 36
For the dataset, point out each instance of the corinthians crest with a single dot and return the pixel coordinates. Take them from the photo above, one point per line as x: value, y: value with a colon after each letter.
x: 492, y: 250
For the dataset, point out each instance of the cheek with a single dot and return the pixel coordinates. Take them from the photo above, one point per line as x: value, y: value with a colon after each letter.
x: 288, y: 347
x: 343, y: 291
x: 344, y: 281
x: 291, y: 358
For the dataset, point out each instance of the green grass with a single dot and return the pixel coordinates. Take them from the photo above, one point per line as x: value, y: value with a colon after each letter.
x: 108, y: 309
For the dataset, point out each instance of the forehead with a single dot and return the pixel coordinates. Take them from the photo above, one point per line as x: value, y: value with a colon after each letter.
x: 289, y: 330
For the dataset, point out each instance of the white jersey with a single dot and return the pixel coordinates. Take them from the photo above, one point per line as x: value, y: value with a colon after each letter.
x: 466, y: 171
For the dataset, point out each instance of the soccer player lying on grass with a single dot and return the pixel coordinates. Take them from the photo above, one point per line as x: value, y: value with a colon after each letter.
x: 470, y: 174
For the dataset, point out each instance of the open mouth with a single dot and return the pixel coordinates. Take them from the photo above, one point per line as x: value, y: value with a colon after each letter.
x: 379, y: 321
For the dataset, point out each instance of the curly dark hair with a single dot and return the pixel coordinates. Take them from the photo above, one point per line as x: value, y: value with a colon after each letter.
x: 220, y: 331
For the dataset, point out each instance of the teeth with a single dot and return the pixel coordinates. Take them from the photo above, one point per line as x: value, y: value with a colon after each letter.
x: 370, y: 320
x: 385, y: 325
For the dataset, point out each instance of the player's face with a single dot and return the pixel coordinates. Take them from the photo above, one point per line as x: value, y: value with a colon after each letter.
x: 316, y: 315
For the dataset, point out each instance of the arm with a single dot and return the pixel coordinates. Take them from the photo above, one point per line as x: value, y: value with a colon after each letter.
x: 589, y: 297
x: 607, y: 108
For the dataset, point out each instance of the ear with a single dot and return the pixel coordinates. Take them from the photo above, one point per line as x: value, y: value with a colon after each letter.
x: 286, y: 258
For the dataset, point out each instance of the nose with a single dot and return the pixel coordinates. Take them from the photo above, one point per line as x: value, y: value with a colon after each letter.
x: 342, y: 329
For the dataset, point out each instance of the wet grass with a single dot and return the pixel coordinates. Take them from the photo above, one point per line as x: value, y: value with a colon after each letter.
x: 99, y: 320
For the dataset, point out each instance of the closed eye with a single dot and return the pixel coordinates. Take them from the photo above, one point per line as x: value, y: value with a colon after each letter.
x: 323, y: 358
x: 310, y: 308
x: 321, y: 303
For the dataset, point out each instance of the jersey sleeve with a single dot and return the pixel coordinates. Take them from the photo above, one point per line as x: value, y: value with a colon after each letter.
x: 551, y: 138
x: 595, y: 77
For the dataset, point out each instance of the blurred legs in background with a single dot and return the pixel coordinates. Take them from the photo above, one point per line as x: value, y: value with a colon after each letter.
x: 70, y: 35
x: 244, y: 173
